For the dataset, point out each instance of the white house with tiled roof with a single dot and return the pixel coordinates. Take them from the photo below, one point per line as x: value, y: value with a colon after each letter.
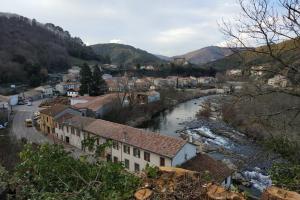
x: 134, y: 147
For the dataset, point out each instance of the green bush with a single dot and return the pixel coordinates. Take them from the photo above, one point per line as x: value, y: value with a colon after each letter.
x: 151, y: 171
x: 48, y: 172
x: 286, y: 175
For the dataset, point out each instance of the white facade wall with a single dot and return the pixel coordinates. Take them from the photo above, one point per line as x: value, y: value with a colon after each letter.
x: 187, y: 152
x: 74, y: 139
x: 154, y: 158
x: 76, y: 101
x: 72, y: 94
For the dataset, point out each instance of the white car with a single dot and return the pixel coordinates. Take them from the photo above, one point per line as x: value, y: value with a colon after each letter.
x: 2, y: 127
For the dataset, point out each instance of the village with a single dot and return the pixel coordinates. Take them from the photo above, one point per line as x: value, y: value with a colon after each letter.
x: 58, y: 114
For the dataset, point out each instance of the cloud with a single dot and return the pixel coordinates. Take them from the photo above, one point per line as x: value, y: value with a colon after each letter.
x: 168, y: 27
x: 175, y: 35
x: 115, y: 41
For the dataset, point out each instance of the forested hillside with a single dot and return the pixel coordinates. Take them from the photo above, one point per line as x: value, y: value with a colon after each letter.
x: 30, y: 50
x: 125, y: 54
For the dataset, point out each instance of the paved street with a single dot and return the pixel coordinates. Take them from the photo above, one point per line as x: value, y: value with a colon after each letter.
x: 22, y: 112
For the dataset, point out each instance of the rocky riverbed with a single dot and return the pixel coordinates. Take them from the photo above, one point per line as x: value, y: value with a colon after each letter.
x: 220, y: 141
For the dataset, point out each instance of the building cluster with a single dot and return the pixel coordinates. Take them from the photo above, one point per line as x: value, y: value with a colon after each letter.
x: 70, y: 84
x: 279, y: 81
x: 117, y: 84
x: 98, y: 106
x: 134, y: 147
x: 234, y: 73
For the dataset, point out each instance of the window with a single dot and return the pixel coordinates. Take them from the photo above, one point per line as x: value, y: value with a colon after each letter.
x: 136, y: 167
x: 162, y: 161
x: 67, y: 140
x: 115, y: 159
x: 78, y: 132
x: 56, y: 125
x: 136, y: 152
x: 67, y: 129
x: 116, y: 145
x: 127, y: 149
x: 147, y: 156
x: 97, y: 141
x: 126, y: 164
x: 108, y: 158
x: 72, y: 130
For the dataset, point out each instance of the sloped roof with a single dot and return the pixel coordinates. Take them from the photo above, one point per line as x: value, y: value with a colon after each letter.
x: 76, y: 121
x: 54, y: 110
x: 203, y: 162
x: 149, y: 141
x: 95, y: 103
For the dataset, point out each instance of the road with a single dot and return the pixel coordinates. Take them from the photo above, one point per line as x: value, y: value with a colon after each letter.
x: 19, y: 130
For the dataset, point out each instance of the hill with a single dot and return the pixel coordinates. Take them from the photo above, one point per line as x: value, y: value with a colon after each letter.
x: 287, y: 50
x: 206, y: 54
x: 126, y: 54
x: 29, y: 50
x: 166, y: 58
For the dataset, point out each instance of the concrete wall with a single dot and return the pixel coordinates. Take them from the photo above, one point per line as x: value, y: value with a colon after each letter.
x: 187, y: 152
x: 154, y: 158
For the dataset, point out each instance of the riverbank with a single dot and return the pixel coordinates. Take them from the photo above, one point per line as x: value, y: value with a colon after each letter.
x: 220, y: 141
x: 140, y: 114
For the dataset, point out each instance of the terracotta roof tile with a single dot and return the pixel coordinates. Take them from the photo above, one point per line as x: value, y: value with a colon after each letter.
x: 95, y: 103
x: 75, y: 120
x: 203, y: 162
x: 149, y: 141
x: 54, y: 110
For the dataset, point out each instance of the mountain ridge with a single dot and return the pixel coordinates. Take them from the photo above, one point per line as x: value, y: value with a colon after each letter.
x: 206, y: 54
x: 126, y: 54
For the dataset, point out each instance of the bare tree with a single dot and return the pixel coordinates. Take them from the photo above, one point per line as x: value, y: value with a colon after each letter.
x: 267, y: 26
x: 126, y: 91
x: 269, y: 29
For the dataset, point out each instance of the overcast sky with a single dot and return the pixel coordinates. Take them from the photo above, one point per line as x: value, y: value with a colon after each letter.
x: 167, y: 27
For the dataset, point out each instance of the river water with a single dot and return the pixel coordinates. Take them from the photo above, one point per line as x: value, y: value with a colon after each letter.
x: 221, y: 141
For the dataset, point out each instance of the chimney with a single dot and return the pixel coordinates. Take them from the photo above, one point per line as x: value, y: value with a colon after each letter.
x: 125, y: 139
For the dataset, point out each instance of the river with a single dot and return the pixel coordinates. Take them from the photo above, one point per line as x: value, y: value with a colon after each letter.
x: 221, y: 141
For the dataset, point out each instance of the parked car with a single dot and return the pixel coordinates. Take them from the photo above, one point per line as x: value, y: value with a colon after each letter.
x: 28, y: 123
x: 2, y: 127
x: 36, y: 114
x: 29, y: 103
